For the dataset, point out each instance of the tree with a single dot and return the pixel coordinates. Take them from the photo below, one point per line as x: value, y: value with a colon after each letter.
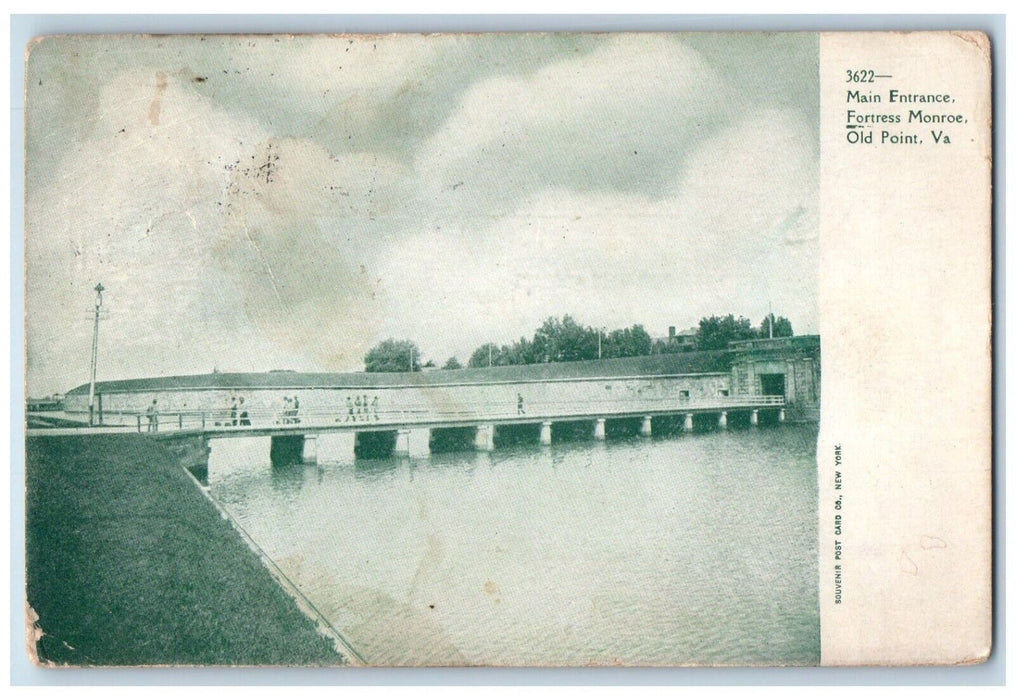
x: 452, y: 363
x: 545, y: 340
x: 565, y: 340
x: 638, y: 340
x: 716, y: 332
x: 781, y: 327
x: 627, y: 342
x: 393, y: 356
x: 488, y: 354
x: 522, y: 352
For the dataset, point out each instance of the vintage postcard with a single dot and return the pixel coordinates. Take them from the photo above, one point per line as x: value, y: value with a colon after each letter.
x: 638, y: 349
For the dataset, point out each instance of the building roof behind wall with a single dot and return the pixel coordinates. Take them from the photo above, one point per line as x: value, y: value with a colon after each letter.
x: 649, y: 365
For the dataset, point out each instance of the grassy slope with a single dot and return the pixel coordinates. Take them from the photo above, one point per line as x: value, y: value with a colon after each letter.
x: 129, y: 564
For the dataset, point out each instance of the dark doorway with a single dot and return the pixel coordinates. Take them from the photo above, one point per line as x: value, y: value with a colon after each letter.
x: 517, y: 434
x: 774, y: 384
x: 286, y: 450
x: 452, y: 439
x: 375, y: 444
x: 572, y: 431
x: 625, y: 427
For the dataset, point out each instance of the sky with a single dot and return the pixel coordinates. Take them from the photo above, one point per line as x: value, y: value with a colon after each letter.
x: 256, y: 203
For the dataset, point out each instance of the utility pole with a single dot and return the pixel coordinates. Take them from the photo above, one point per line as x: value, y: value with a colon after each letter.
x: 99, y: 289
x: 490, y: 354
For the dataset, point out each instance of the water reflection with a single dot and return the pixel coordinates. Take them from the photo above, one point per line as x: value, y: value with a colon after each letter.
x: 375, y: 469
x: 287, y: 478
x: 689, y: 548
x: 463, y: 461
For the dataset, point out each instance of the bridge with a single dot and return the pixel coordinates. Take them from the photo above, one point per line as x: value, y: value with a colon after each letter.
x: 223, y: 423
x: 412, y: 426
x: 408, y: 411
x: 294, y: 433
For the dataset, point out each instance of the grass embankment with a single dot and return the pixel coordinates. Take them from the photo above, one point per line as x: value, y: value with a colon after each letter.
x: 129, y: 564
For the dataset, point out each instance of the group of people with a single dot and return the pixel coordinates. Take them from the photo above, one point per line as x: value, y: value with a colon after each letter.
x: 290, y: 410
x: 238, y: 414
x: 362, y: 409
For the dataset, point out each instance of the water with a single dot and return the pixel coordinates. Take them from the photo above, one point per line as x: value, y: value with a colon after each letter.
x: 690, y: 549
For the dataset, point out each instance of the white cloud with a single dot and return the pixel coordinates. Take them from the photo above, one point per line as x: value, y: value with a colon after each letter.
x: 612, y: 119
x: 623, y: 185
x: 717, y: 243
x: 206, y: 263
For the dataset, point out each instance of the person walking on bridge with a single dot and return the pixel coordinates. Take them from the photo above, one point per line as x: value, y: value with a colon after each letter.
x: 522, y: 409
x: 153, y: 416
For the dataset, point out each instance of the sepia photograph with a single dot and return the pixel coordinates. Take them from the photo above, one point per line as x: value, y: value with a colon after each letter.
x: 423, y: 350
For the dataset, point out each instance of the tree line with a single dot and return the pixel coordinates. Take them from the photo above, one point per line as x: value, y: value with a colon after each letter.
x: 715, y: 332
x: 565, y: 340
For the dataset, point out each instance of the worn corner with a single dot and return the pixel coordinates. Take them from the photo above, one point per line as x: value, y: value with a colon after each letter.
x: 977, y: 39
x: 33, y: 633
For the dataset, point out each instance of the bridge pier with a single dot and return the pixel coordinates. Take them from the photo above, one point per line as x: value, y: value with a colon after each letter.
x: 191, y: 451
x: 754, y: 416
x: 646, y: 429
x: 546, y: 435
x: 484, y: 437
x: 689, y: 422
x: 722, y: 422
x: 412, y: 442
x: 310, y: 449
x: 402, y: 443
x: 600, y: 430
x: 335, y: 447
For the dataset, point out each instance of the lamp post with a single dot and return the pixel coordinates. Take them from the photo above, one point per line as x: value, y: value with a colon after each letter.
x: 99, y: 289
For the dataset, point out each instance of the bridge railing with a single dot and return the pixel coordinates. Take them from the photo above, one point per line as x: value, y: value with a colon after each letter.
x: 366, y: 416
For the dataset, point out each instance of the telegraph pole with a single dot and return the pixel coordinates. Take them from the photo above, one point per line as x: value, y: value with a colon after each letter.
x: 99, y: 289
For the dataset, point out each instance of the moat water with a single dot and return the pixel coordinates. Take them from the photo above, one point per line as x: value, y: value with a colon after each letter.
x: 693, y: 548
